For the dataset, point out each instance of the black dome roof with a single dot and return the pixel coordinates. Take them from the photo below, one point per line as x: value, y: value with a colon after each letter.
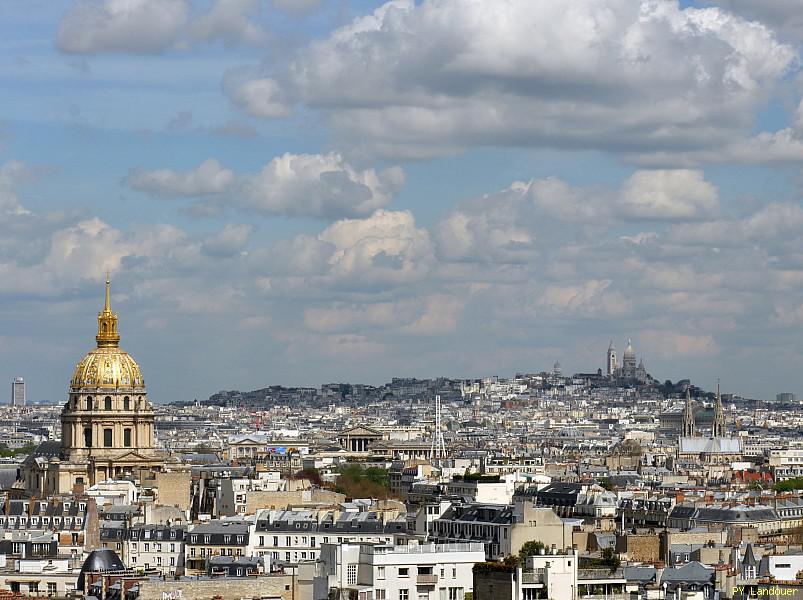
x: 102, y: 559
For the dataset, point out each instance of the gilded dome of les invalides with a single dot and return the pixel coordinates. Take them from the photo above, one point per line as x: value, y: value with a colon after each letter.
x: 107, y: 366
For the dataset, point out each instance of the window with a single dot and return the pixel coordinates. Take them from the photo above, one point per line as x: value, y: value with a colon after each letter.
x: 404, y: 572
x: 147, y: 547
x: 172, y: 561
x: 88, y: 403
x: 107, y: 438
x: 127, y: 438
x: 107, y: 403
x: 51, y: 588
x: 351, y: 575
x: 172, y: 547
x: 380, y: 572
x: 87, y: 437
x: 404, y: 594
x: 126, y: 403
x: 456, y: 593
x: 380, y: 595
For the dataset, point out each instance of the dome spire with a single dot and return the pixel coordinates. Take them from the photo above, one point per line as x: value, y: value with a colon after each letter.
x: 107, y: 322
x: 108, y: 306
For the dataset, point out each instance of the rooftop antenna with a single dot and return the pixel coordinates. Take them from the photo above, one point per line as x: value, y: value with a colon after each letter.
x: 438, y: 447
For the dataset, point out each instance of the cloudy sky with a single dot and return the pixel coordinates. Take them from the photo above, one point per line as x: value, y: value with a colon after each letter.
x: 304, y: 191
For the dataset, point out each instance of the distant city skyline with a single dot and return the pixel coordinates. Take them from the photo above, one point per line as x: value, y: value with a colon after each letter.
x: 297, y: 193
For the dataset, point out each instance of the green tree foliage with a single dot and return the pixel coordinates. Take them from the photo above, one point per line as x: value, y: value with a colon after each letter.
x: 203, y: 448
x: 606, y: 484
x: 790, y: 485
x: 356, y: 482
x: 610, y: 559
x: 6, y: 452
x: 530, y: 548
x: 312, y: 474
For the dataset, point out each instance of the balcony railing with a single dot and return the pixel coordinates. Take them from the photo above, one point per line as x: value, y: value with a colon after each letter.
x: 534, y: 576
x: 424, y: 548
x: 426, y: 579
x: 600, y: 574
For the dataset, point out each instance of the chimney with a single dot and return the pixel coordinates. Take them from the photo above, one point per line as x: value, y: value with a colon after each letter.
x: 91, y: 526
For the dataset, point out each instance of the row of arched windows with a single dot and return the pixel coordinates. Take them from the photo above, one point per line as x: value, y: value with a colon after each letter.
x: 107, y: 403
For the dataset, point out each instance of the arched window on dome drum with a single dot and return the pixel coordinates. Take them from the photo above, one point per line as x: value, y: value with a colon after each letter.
x: 88, y: 437
x: 89, y: 402
x: 126, y: 403
x: 107, y: 403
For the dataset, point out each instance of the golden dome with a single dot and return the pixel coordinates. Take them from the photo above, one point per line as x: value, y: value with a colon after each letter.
x: 107, y: 365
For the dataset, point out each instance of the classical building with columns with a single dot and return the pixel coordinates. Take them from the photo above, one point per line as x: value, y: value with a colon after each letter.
x: 107, y: 424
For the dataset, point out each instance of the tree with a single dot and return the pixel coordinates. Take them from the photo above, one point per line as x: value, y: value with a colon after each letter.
x: 204, y: 448
x: 606, y: 484
x: 530, y: 548
x: 356, y: 482
x: 610, y: 559
x: 790, y: 485
x: 312, y: 474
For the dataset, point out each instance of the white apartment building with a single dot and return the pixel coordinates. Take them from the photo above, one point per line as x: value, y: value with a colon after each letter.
x: 483, y: 489
x: 293, y: 536
x: 412, y: 572
x: 786, y: 463
x: 155, y: 547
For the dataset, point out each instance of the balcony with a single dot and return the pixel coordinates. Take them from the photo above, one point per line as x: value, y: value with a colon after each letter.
x: 426, y: 580
x: 534, y: 576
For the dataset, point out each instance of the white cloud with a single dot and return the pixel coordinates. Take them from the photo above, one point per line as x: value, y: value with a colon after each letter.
x: 91, y: 26
x: 319, y: 185
x: 298, y: 7
x: 210, y: 177
x: 677, y: 195
x: 383, y: 249
x: 784, y: 16
x: 301, y: 185
x: 259, y: 97
x: 418, y: 78
x: 515, y: 225
x: 229, y: 241
x: 228, y: 20
x: 152, y: 26
x: 11, y: 174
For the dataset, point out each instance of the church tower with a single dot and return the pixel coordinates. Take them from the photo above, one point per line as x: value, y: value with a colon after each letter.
x: 610, y: 362
x: 718, y: 429
x: 689, y: 425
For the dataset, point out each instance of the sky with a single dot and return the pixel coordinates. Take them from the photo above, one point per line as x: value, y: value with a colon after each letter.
x: 294, y: 192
